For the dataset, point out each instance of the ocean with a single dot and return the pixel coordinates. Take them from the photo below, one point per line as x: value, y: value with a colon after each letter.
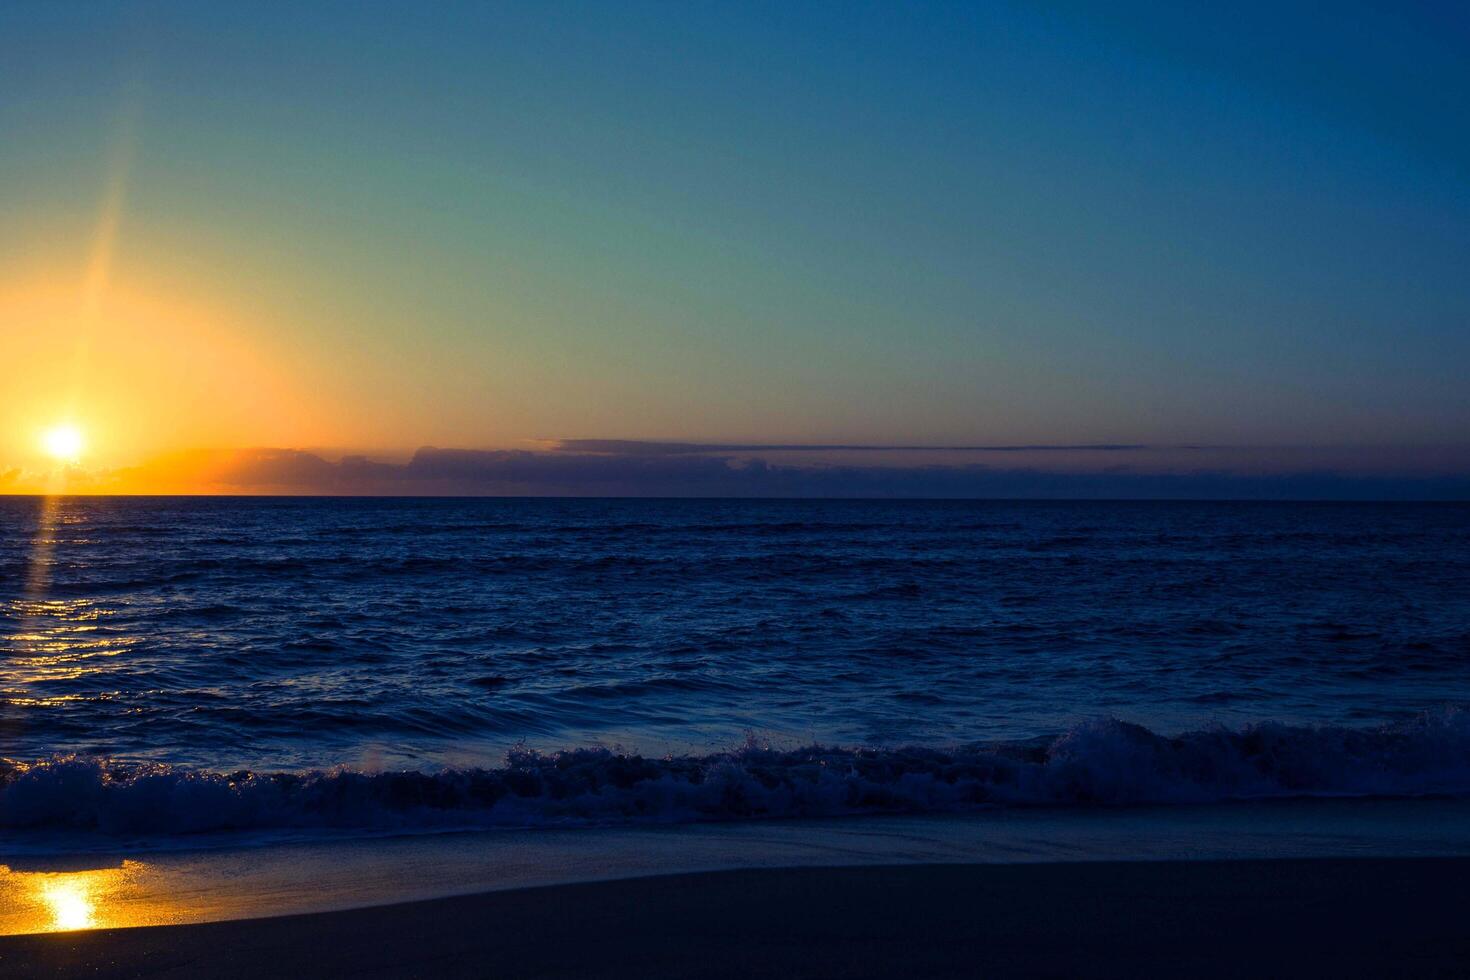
x: 180, y: 666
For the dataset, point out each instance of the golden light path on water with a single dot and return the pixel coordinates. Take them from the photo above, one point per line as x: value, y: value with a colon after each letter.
x: 122, y: 894
x: 58, y: 639
x: 55, y: 639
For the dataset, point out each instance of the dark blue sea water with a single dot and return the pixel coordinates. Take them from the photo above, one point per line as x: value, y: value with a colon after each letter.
x: 199, y: 656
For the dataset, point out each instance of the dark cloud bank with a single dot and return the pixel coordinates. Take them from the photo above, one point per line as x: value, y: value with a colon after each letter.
x: 641, y: 447
x: 721, y: 471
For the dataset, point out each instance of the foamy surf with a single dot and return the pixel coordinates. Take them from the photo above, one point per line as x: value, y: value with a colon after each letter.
x: 1099, y: 763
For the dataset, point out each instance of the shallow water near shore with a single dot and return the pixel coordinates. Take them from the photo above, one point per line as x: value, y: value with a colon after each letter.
x: 247, y: 878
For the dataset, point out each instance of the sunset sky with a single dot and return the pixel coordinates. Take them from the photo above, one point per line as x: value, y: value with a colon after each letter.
x: 240, y: 241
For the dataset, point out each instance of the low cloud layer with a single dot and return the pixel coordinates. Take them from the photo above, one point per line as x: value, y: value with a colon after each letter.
x: 643, y: 447
x: 731, y: 472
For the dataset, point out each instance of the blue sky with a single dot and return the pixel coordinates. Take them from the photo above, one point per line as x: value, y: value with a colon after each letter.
x: 474, y: 225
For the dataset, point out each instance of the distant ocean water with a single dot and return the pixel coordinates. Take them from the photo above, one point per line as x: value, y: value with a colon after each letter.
x: 187, y: 664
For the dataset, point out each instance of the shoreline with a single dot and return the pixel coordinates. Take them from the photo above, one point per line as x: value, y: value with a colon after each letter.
x: 224, y: 880
x: 1351, y: 916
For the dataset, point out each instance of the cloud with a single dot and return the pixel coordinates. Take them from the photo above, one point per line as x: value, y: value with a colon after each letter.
x: 644, y: 447
x: 433, y: 471
x: 250, y: 470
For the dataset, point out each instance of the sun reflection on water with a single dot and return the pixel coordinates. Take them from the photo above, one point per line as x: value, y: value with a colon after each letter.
x: 57, y: 648
x: 59, y: 651
x: 69, y: 897
x: 126, y: 894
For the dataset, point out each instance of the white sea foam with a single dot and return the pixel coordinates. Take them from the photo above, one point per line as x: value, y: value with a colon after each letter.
x: 1105, y: 762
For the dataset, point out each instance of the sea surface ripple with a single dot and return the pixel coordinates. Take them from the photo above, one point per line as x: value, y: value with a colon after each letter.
x: 284, y: 635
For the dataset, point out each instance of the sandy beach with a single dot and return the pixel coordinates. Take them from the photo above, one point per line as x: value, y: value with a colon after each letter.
x: 1349, y: 917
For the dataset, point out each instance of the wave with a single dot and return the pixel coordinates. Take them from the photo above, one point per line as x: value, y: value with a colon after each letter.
x: 1105, y: 762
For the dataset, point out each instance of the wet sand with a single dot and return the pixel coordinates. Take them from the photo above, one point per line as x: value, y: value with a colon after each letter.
x: 1321, y: 917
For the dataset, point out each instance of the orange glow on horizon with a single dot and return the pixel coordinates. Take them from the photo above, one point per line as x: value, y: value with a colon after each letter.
x: 150, y: 374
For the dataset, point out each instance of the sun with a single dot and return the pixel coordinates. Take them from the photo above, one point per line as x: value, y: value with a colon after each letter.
x: 63, y: 443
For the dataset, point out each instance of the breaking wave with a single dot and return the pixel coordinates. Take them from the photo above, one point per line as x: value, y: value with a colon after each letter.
x: 1105, y: 762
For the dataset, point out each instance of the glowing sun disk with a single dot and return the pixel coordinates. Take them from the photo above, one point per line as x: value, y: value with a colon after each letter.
x: 63, y: 442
